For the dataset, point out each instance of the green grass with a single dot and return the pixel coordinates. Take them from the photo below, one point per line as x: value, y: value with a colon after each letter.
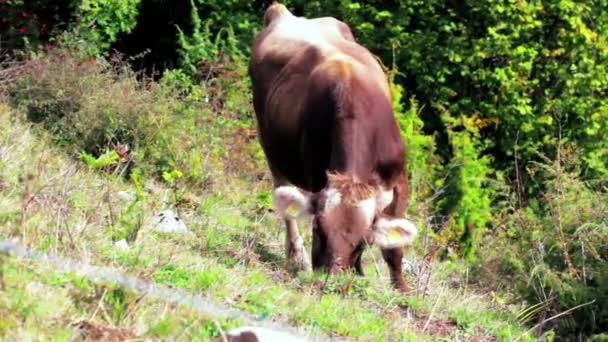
x: 232, y: 254
x: 52, y: 201
x: 40, y: 303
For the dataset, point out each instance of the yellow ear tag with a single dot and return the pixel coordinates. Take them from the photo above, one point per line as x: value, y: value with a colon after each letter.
x: 292, y: 210
x: 395, y: 235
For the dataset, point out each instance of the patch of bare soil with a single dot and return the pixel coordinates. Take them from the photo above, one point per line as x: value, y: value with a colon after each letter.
x: 89, y: 331
x: 435, y: 328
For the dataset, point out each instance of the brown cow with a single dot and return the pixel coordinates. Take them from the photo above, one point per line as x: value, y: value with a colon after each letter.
x: 326, y: 125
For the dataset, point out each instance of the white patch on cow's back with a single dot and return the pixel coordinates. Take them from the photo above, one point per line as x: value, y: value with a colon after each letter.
x: 291, y: 33
x: 385, y: 197
x: 301, y: 29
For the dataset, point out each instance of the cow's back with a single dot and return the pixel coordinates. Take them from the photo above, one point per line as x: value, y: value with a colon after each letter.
x: 298, y: 66
x: 286, y: 37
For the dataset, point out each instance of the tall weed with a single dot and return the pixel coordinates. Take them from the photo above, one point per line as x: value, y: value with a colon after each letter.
x: 554, y: 250
x: 96, y: 105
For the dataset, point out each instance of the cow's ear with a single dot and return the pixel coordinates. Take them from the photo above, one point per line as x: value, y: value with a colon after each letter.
x: 291, y: 202
x: 393, y: 232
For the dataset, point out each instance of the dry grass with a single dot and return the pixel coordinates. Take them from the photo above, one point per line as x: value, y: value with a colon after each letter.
x: 232, y: 254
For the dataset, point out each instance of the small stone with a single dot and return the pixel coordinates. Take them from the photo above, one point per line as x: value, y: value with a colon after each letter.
x: 122, y: 245
x: 127, y: 196
x: 255, y: 334
x: 35, y: 287
x: 408, y: 265
x: 166, y: 222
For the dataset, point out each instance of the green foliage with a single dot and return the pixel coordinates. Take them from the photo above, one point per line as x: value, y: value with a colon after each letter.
x: 137, y: 179
x: 94, y: 108
x: 173, y: 176
x: 104, y: 160
x: 422, y: 163
x: 101, y: 21
x: 162, y: 328
x: 554, y: 250
x: 171, y: 275
x: 130, y: 221
x: 467, y: 196
x: 117, y: 300
x: 203, y: 45
x: 264, y: 200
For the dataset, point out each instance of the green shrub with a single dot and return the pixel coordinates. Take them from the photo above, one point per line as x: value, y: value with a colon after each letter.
x: 101, y: 21
x: 423, y: 165
x: 554, y: 251
x: 33, y: 24
x: 467, y: 196
x: 200, y: 48
x: 96, y: 107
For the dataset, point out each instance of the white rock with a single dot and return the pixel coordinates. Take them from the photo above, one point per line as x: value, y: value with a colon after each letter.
x: 166, y: 222
x: 35, y: 287
x: 127, y: 196
x: 245, y: 334
x: 122, y: 245
x: 408, y: 265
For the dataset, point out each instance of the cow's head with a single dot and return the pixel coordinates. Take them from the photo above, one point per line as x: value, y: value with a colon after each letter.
x: 347, y: 216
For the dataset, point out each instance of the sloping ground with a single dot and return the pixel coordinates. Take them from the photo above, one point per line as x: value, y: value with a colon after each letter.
x: 232, y: 255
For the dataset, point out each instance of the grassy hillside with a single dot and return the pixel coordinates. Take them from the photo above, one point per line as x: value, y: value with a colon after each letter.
x: 52, y: 201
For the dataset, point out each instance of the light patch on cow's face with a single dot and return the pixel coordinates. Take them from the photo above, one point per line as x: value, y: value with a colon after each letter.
x: 367, y: 208
x: 333, y: 199
x: 385, y: 197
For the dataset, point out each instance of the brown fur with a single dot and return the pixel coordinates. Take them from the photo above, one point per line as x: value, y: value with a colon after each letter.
x: 325, y: 119
x: 352, y: 189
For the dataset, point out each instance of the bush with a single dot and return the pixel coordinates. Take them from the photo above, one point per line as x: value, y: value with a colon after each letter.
x: 81, y: 101
x: 101, y: 21
x: 554, y: 251
x: 94, y: 106
x: 33, y: 23
x: 199, y: 49
x: 519, y: 71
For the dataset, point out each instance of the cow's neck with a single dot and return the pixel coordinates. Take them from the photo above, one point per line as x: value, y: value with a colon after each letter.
x: 352, y: 152
x: 366, y: 137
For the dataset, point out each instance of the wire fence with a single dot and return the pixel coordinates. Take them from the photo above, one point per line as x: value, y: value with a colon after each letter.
x: 149, y: 289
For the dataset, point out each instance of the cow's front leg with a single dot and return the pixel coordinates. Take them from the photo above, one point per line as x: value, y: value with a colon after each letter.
x: 393, y: 258
x: 297, y: 257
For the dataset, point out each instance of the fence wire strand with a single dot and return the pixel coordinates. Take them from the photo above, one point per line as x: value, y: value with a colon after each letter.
x: 152, y: 290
